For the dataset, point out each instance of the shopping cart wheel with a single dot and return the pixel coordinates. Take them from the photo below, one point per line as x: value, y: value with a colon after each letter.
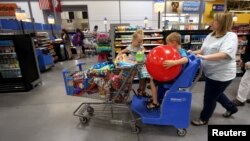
x: 136, y: 130
x: 83, y: 120
x: 90, y: 110
x: 181, y: 132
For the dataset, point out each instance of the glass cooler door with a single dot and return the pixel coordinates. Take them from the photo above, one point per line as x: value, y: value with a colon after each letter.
x: 9, y: 64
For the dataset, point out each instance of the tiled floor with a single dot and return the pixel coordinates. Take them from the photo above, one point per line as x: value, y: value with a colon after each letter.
x: 45, y: 114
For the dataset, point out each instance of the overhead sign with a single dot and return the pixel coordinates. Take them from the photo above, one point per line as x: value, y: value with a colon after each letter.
x: 218, y: 7
x: 158, y: 0
x: 158, y: 6
x: 191, y: 7
x: 8, y: 9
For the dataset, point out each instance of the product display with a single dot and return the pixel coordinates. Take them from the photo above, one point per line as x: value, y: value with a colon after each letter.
x: 123, y: 37
x: 103, y: 46
x: 243, y: 32
x: 9, y: 63
x: 42, y: 41
x: 18, y: 64
x: 190, y: 39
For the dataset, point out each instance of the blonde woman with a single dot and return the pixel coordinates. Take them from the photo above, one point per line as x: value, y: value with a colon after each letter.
x: 218, y: 60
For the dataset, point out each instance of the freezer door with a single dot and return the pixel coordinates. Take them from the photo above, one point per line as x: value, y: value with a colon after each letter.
x: 9, y: 64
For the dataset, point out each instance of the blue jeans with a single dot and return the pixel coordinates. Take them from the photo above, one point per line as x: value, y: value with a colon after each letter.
x: 214, y: 92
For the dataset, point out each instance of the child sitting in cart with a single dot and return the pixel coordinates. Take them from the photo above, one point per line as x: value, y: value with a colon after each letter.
x: 136, y: 46
x: 174, y: 40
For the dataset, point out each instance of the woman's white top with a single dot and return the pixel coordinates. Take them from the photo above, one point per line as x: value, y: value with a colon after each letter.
x: 221, y: 70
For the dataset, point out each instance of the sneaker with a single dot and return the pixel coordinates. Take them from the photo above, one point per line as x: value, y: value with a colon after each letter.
x: 199, y: 122
x: 238, y: 103
x: 228, y: 114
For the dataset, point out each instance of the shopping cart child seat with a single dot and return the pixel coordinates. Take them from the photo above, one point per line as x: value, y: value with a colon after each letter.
x: 175, y: 100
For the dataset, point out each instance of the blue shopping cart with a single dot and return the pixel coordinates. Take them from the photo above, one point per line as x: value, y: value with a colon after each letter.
x: 175, y: 100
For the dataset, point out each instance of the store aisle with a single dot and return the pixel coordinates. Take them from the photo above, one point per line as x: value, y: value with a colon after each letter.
x: 45, y: 114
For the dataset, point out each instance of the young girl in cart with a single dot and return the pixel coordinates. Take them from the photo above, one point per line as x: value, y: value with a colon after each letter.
x: 174, y: 40
x: 133, y: 49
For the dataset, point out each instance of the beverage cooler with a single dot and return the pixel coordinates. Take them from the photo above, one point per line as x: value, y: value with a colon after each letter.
x: 18, y: 64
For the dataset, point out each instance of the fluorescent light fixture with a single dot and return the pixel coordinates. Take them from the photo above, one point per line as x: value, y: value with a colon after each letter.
x: 105, y: 21
x: 51, y: 19
x: 145, y: 20
x: 235, y: 18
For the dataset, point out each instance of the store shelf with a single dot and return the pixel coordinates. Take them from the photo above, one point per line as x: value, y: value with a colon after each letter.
x: 122, y: 39
x: 146, y: 38
x: 152, y: 44
x: 196, y: 43
x: 9, y: 69
x: 8, y: 53
x: 152, y: 38
x: 242, y: 44
x: 43, y: 42
x: 119, y: 39
x: 145, y: 31
x: 241, y: 34
x: 143, y: 45
x: 121, y: 45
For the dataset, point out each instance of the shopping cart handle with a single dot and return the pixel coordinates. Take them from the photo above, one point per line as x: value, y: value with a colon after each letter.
x: 79, y: 65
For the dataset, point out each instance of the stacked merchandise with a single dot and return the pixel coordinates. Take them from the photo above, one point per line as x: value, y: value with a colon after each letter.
x: 125, y: 28
x: 42, y: 41
x: 9, y: 65
x: 103, y: 46
x: 102, y: 80
x: 123, y: 38
x: 89, y: 43
x: 242, y: 32
x: 90, y: 81
x: 46, y: 54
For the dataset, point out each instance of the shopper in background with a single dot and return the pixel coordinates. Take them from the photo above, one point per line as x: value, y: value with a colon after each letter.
x: 218, y: 54
x: 136, y: 46
x: 174, y: 40
x: 66, y: 40
x: 244, y: 87
x: 78, y: 43
x: 95, y: 30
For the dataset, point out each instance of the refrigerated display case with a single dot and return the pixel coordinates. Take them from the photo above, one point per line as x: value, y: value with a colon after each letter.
x: 18, y: 64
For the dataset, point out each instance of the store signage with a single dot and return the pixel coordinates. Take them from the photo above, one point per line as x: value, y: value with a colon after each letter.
x: 158, y: 6
x: 218, y: 7
x: 158, y: 0
x: 8, y: 9
x: 191, y: 7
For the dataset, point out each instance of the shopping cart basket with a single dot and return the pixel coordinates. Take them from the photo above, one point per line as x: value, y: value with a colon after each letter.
x: 113, y: 105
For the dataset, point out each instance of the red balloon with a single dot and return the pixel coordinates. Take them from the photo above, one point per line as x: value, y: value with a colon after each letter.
x: 155, y: 59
